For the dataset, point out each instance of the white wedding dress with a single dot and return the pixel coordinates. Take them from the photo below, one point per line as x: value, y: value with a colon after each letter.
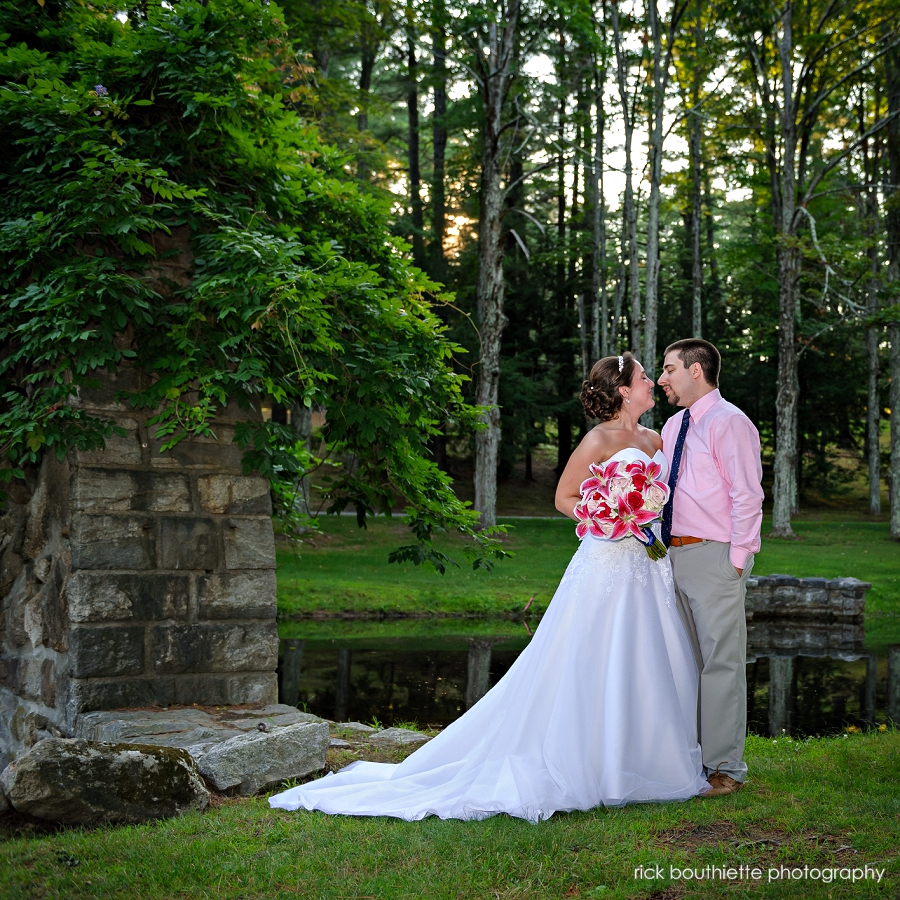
x: 599, y: 709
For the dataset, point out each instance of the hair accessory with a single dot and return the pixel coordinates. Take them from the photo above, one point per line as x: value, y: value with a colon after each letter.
x: 621, y: 363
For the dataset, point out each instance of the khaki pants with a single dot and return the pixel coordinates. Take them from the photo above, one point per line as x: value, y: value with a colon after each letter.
x: 710, y: 596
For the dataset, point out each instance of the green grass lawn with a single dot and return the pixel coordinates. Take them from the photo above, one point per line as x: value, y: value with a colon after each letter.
x: 345, y: 570
x: 830, y: 802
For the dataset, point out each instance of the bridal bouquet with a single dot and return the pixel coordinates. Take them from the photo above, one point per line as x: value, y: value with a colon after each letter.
x: 622, y: 499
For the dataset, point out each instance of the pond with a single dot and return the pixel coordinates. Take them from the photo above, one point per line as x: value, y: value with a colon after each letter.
x: 803, y: 678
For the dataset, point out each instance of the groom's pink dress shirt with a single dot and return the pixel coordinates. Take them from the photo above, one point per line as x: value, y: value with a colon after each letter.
x: 718, y: 495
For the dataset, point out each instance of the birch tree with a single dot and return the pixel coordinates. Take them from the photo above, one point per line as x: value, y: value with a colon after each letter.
x: 628, y: 206
x: 661, y: 68
x: 493, y: 56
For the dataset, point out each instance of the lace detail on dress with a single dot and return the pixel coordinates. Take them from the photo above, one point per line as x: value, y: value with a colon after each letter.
x: 610, y: 562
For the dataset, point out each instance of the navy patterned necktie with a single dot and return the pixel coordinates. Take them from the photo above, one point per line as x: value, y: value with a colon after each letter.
x: 673, y: 478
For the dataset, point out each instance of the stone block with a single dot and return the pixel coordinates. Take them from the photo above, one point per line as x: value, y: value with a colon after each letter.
x: 187, y: 543
x: 210, y: 648
x: 107, y: 490
x: 120, y: 450
x: 252, y: 762
x: 102, y: 490
x: 235, y: 494
x: 257, y: 687
x: 249, y: 544
x: 112, y: 542
x: 208, y: 690
x: 238, y: 595
x: 783, y: 580
x: 48, y: 682
x: 31, y: 679
x: 80, y: 782
x: 162, y: 492
x: 102, y: 392
x: 54, y: 613
x: 106, y: 650
x: 120, y: 693
x: 16, y: 602
x: 46, y: 504
x: 11, y: 672
x: 96, y: 597
x: 33, y: 620
x: 200, y: 452
x: 233, y: 413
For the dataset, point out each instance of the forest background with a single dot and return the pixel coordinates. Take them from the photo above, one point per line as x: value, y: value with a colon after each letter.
x: 588, y: 177
x: 412, y: 215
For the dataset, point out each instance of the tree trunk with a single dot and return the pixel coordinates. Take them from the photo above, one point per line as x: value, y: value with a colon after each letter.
x: 651, y: 278
x: 415, y: 195
x: 301, y: 422
x: 695, y: 128
x: 600, y: 344
x: 439, y: 142
x: 564, y: 349
x: 788, y: 386
x: 716, y: 293
x: 621, y: 283
x: 495, y: 77
x: 892, y: 214
x: 583, y: 333
x: 366, y: 67
x: 630, y: 210
x: 871, y: 165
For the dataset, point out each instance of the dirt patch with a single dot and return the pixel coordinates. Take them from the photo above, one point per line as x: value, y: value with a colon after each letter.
x: 698, y: 835
x: 669, y: 893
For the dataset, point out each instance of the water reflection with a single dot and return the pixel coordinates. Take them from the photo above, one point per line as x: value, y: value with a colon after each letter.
x: 803, y: 678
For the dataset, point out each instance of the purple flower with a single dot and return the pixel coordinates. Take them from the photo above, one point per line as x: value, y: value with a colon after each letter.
x: 101, y: 91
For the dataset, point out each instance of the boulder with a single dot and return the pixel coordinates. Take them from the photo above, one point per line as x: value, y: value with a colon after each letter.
x: 252, y: 762
x: 80, y: 782
x: 354, y: 728
x: 397, y: 737
x: 4, y: 803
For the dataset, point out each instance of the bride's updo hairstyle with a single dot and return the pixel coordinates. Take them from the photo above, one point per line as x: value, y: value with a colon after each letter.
x: 600, y: 395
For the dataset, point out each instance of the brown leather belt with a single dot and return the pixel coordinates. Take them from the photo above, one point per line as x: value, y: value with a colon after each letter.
x: 684, y: 541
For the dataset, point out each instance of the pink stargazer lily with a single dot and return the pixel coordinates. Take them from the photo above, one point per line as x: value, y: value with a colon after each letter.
x: 631, y: 516
x: 620, y: 500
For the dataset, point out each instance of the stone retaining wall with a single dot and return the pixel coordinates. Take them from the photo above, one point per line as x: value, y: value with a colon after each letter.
x: 132, y: 578
x: 822, y: 599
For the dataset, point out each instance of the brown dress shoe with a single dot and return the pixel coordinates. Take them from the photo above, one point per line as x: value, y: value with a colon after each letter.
x: 722, y: 784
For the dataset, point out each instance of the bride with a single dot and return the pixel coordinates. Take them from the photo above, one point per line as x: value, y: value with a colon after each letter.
x: 599, y: 709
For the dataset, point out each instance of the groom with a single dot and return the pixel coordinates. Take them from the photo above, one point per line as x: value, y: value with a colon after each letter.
x: 712, y: 525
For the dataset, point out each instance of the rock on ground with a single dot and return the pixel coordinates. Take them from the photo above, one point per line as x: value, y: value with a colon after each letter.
x: 354, y: 728
x: 194, y: 729
x: 397, y: 737
x: 80, y: 782
x: 251, y: 762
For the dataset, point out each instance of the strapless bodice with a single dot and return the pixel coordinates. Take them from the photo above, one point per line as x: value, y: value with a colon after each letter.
x: 630, y: 454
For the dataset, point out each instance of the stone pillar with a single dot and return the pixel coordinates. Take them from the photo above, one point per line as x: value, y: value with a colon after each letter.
x: 133, y: 578
x: 781, y: 686
x: 868, y: 704
x: 893, y: 686
x: 478, y: 671
x: 342, y: 693
x: 291, y: 663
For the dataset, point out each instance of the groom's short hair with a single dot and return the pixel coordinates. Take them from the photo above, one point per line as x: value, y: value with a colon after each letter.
x: 696, y: 350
